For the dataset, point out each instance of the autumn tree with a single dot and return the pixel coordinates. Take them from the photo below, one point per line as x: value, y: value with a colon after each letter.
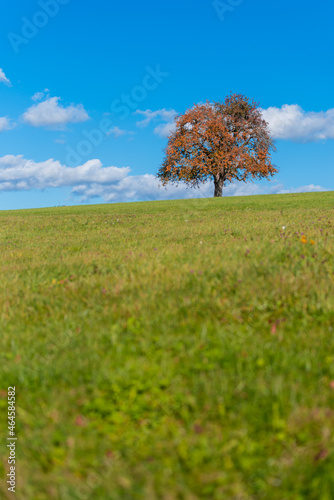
x: 222, y: 141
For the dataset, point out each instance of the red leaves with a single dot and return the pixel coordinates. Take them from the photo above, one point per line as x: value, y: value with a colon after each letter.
x: 221, y: 140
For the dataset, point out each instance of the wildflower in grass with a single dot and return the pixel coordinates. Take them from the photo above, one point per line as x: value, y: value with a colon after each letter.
x: 80, y: 421
x: 321, y: 455
x: 198, y: 429
x: 273, y: 329
x: 303, y: 239
x: 312, y: 242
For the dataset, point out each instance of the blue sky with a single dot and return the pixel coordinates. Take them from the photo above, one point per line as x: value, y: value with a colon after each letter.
x: 89, y: 90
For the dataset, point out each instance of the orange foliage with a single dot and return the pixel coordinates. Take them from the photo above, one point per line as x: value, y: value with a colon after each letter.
x: 220, y: 140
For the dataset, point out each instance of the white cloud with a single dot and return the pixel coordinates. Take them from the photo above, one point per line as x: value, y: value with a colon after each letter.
x: 50, y: 113
x: 291, y: 122
x: 164, y: 115
x: 141, y: 188
x: 147, y: 187
x: 164, y: 129
x: 17, y: 173
x: 38, y: 96
x: 114, y: 184
x: 279, y: 189
x: 3, y: 78
x: 60, y: 140
x: 117, y: 132
x: 5, y: 123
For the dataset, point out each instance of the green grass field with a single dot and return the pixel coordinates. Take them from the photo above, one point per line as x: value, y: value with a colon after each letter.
x: 175, y: 350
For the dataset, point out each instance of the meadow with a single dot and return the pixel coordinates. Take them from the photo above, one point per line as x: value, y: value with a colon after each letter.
x: 174, y: 350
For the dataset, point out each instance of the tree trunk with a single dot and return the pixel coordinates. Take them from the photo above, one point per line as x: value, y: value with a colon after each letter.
x: 219, y: 183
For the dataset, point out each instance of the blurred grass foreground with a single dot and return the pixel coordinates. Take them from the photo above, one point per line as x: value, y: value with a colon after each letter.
x: 175, y: 350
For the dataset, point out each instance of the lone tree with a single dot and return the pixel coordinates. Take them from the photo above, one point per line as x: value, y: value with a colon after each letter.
x: 220, y: 140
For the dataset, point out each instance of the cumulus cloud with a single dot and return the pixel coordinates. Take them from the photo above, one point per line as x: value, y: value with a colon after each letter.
x: 18, y: 173
x: 163, y: 115
x: 3, y: 78
x: 5, y: 123
x: 49, y: 113
x: 291, y: 122
x: 92, y: 180
x: 140, y: 188
x: 114, y: 184
x: 147, y: 188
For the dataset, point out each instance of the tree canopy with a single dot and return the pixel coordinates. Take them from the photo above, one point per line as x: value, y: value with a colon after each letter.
x: 222, y: 141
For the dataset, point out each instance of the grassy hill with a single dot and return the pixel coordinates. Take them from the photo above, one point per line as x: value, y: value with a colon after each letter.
x: 170, y: 350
